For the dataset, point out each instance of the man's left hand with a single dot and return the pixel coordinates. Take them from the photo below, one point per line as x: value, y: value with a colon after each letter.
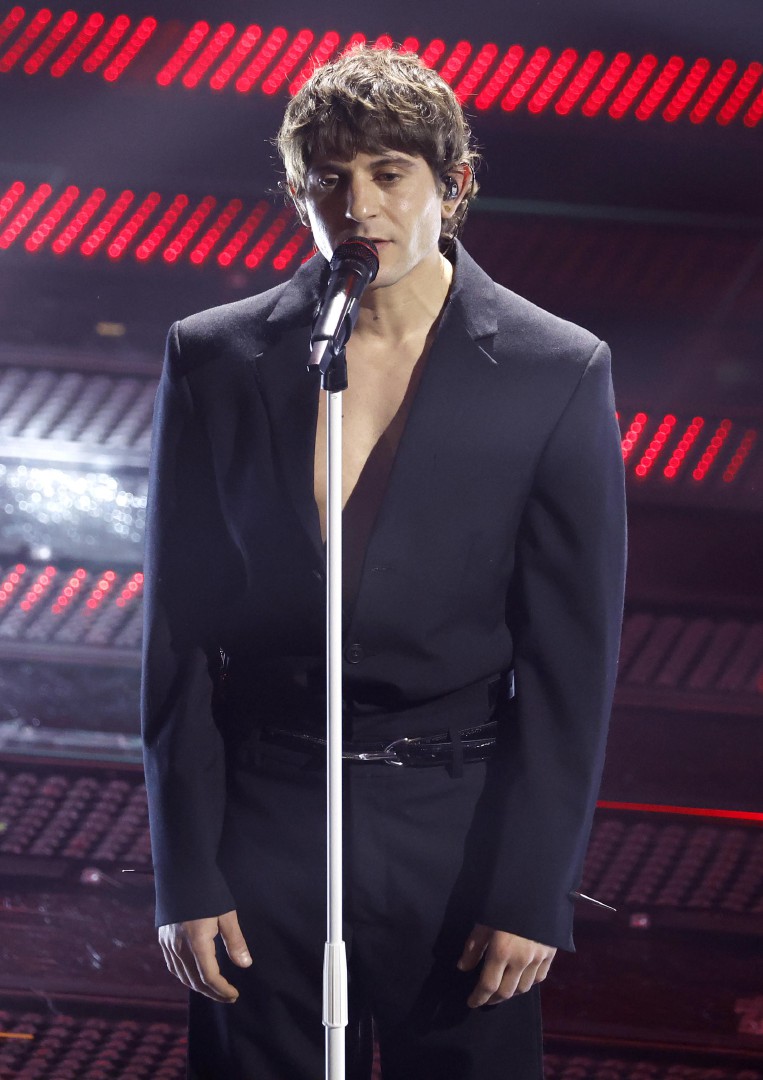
x: 512, y: 964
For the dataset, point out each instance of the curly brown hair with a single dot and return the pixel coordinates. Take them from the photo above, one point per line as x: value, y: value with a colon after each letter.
x: 370, y: 100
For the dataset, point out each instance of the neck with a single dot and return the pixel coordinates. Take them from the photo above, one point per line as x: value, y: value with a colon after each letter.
x: 409, y: 307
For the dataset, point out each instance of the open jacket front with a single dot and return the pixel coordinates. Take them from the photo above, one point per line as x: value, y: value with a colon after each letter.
x: 499, y: 544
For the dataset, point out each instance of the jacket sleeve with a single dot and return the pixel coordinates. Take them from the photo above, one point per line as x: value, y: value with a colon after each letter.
x: 188, y: 560
x: 565, y: 612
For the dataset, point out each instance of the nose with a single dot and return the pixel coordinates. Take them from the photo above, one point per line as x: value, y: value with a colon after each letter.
x: 361, y: 199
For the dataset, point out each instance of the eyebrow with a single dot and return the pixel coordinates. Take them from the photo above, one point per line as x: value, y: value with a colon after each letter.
x: 388, y: 159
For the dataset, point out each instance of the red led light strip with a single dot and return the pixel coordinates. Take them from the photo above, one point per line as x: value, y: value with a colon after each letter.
x: 755, y: 112
x: 208, y: 55
x: 175, y: 249
x: 683, y: 447
x: 692, y: 811
x: 498, y: 80
x: 64, y: 25
x: 633, y: 434
x: 91, y: 244
x: 111, y: 39
x: 25, y: 215
x: 686, y: 90
x: 737, y: 461
x: 213, y: 234
x: 455, y: 61
x: 583, y: 80
x: 66, y: 238
x: 80, y: 43
x: 234, y: 248
x: 713, y: 91
x: 125, y: 56
x: 476, y: 71
x: 290, y: 249
x: 10, y: 583
x: 69, y: 592
x: 326, y: 48
x: 13, y: 19
x: 656, y: 446
x: 633, y: 87
x: 119, y: 244
x: 158, y: 233
x: 706, y: 461
x: 101, y: 591
x: 263, y: 246
x: 530, y: 73
x: 131, y: 591
x: 38, y: 590
x: 262, y: 58
x: 284, y: 67
x: 553, y: 81
x: 181, y: 56
x: 660, y: 87
x: 11, y: 197
x: 229, y: 67
x: 33, y: 31
x: 51, y: 219
x: 740, y: 93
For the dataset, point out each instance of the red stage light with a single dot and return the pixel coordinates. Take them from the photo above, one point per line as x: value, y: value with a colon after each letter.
x: 209, y: 54
x: 20, y: 46
x: 603, y: 88
x: 455, y: 61
x: 410, y: 44
x: 290, y: 249
x: 475, y: 72
x: 49, y: 222
x: 239, y: 53
x: 693, y: 811
x: 78, y: 222
x: 683, y: 447
x: 740, y: 456
x: 713, y: 91
x: 263, y: 57
x: 326, y: 47
x: 10, y: 198
x: 14, y: 17
x: 73, y: 585
x: 101, y: 591
x: 260, y: 249
x: 90, y: 245
x: 433, y: 52
x: 111, y: 39
x: 64, y: 25
x: 160, y: 230
x: 706, y: 461
x: 125, y: 56
x: 38, y: 590
x: 633, y: 87
x: 130, y: 229
x: 233, y: 248
x: 384, y: 41
x: 288, y: 62
x: 754, y: 113
x: 656, y: 446
x: 531, y: 71
x: 212, y: 235
x: 553, y: 81
x: 10, y: 583
x: 131, y: 591
x: 500, y: 77
x: 175, y: 249
x: 740, y: 93
x: 356, y: 39
x: 80, y: 43
x: 686, y: 90
x: 183, y: 54
x: 660, y: 87
x: 633, y: 434
x: 24, y: 216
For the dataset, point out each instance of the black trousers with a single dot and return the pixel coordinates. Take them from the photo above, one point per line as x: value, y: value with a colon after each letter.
x: 414, y: 854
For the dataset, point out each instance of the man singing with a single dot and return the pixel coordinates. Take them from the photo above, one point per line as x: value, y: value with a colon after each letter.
x: 484, y: 551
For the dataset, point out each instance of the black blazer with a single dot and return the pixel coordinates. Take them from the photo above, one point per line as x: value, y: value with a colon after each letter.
x: 500, y: 543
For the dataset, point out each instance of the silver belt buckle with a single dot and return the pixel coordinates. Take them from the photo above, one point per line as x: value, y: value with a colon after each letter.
x: 388, y: 755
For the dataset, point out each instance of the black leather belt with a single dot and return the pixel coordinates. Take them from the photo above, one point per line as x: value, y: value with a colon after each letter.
x: 443, y: 748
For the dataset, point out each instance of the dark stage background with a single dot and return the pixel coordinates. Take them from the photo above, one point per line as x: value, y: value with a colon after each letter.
x: 621, y: 189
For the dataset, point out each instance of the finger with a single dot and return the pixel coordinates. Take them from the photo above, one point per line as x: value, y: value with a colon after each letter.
x: 497, y: 982
x: 206, y: 974
x: 528, y: 978
x: 233, y: 939
x: 543, y: 969
x: 475, y: 947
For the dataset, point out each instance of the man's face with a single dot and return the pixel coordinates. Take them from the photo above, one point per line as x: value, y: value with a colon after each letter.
x: 389, y: 197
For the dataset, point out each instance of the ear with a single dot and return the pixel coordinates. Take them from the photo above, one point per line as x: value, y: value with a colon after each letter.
x: 458, y: 182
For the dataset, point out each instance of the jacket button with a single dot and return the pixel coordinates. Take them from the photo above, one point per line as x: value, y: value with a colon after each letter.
x: 354, y: 654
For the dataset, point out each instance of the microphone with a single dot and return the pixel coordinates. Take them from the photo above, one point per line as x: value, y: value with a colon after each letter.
x: 354, y: 264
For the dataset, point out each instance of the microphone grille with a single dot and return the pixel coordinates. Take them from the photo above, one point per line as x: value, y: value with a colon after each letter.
x: 360, y: 249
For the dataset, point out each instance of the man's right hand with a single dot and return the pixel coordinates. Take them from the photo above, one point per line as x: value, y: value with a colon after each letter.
x: 189, y: 953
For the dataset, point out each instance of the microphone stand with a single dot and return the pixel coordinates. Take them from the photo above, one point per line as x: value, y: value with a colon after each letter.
x: 333, y: 369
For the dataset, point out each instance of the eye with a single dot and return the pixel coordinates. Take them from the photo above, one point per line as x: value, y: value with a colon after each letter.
x: 388, y: 177
x: 329, y: 180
